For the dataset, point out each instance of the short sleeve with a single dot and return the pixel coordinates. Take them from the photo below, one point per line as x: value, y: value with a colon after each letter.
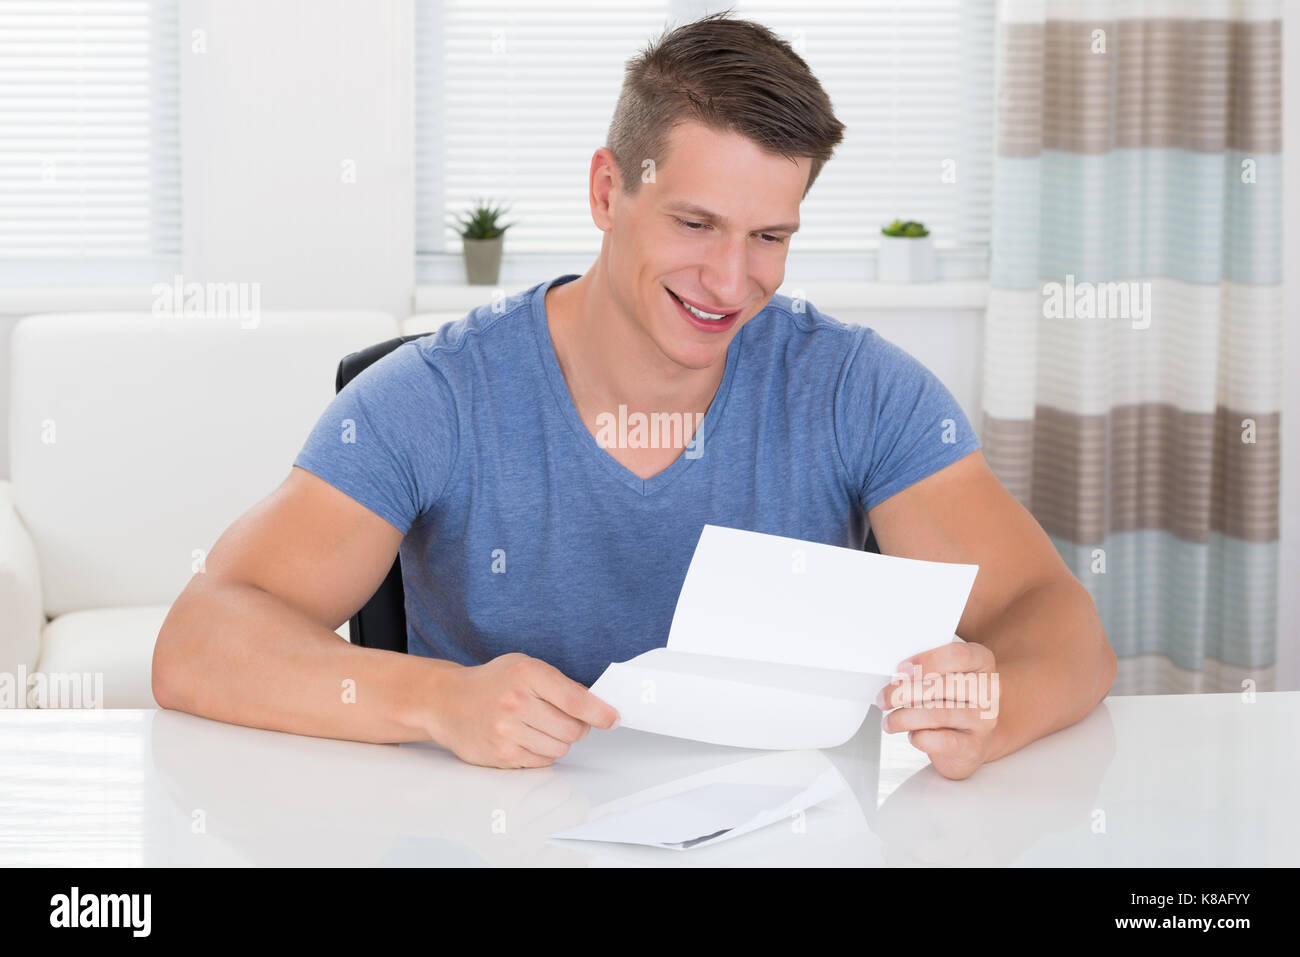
x: 389, y: 439
x: 895, y: 421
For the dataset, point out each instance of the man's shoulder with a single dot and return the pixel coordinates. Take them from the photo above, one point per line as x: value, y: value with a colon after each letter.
x: 501, y: 323
x: 791, y: 329
x: 492, y: 341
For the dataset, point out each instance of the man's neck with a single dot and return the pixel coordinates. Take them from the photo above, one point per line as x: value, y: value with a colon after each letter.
x: 608, y: 360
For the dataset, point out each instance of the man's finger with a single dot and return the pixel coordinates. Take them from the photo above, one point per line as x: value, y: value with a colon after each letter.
x: 953, y: 657
x: 553, y: 685
x: 523, y: 758
x: 910, y: 690
x: 951, y: 715
x: 540, y: 744
x: 952, y: 753
x: 548, y: 719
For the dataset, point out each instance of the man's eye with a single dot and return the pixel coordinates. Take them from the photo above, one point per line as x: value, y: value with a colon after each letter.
x: 769, y: 239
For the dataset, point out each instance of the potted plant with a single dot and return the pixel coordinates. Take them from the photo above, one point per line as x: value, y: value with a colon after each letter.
x: 906, y: 253
x: 482, y: 236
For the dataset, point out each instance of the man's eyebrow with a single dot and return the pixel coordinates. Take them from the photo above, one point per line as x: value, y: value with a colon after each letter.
x: 701, y: 213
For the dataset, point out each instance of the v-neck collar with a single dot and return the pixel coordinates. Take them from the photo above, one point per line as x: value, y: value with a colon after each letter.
x: 569, y: 411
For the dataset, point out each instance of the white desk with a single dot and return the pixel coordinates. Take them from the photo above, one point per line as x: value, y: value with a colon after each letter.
x: 1180, y: 780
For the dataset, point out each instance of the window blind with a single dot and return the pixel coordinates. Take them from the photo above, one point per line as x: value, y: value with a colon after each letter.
x: 89, y: 141
x: 513, y: 98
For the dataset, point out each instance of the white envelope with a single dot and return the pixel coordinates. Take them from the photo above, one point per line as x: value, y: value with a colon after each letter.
x: 716, y: 805
x: 781, y: 643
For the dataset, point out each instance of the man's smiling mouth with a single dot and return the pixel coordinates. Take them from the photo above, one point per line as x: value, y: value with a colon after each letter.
x: 699, y: 313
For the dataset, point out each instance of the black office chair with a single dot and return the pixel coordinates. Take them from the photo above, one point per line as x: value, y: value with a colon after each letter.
x: 381, y: 622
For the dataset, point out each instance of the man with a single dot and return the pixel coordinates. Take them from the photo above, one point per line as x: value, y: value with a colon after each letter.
x: 539, y: 543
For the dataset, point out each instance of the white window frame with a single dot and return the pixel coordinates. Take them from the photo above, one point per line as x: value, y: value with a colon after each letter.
x: 32, y: 136
x: 956, y: 262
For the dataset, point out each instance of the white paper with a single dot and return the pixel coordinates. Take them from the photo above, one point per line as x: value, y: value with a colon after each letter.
x: 782, y: 643
x: 706, y: 814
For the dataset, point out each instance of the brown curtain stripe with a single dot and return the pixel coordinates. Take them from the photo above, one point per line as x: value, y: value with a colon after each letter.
x: 1147, y: 466
x: 1204, y: 85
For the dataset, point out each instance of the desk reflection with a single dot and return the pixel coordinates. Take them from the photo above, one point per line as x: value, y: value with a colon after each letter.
x: 242, y: 796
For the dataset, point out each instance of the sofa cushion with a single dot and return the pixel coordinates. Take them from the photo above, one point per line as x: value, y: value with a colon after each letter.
x: 116, y: 643
x: 136, y: 440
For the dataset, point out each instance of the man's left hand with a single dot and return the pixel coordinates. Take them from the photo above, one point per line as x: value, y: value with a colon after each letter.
x: 947, y: 700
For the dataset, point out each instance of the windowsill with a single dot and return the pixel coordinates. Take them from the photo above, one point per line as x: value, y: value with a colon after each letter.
x: 26, y: 300
x: 833, y: 281
x: 829, y: 297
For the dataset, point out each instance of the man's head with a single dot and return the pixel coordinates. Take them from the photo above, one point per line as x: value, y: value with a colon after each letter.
x: 719, y: 133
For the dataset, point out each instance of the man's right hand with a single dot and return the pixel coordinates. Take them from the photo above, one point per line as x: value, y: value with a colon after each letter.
x: 514, y: 712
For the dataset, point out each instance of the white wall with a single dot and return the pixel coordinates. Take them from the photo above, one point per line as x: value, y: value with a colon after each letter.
x: 284, y: 95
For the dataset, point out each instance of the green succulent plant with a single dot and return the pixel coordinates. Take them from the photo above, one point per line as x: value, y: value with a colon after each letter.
x: 482, y: 221
x: 908, y: 229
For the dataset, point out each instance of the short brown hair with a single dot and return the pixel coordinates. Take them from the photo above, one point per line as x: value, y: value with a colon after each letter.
x: 731, y: 75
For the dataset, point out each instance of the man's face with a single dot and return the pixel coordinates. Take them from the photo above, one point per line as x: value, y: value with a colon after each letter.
x: 713, y: 229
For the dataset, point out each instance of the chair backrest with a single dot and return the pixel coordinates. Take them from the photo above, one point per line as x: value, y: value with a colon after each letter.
x: 381, y: 621
x: 135, y: 439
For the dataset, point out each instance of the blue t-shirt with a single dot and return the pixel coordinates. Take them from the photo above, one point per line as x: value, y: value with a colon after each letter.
x: 523, y: 534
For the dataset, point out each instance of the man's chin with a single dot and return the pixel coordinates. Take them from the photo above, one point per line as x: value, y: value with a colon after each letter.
x: 691, y: 349
x: 696, y: 356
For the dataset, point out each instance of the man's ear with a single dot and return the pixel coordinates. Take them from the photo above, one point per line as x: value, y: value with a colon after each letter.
x: 605, y: 189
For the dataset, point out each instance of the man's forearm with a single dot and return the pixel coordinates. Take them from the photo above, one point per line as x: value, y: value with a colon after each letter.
x: 238, y: 654
x: 1054, y: 663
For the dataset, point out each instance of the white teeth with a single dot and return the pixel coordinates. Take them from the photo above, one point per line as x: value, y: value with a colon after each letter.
x: 699, y: 314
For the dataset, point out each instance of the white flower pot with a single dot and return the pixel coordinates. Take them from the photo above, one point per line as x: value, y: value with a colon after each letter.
x: 905, y: 259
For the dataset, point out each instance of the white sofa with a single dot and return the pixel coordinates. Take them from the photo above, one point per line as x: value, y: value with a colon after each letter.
x: 134, y: 442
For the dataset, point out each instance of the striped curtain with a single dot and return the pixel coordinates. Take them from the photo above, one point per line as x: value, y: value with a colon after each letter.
x: 1133, y: 377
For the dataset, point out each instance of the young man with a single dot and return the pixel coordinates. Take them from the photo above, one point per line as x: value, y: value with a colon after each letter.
x: 537, y: 547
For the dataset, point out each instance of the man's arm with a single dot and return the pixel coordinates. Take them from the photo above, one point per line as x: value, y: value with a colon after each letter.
x: 1053, y: 661
x: 251, y: 638
x: 251, y: 641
